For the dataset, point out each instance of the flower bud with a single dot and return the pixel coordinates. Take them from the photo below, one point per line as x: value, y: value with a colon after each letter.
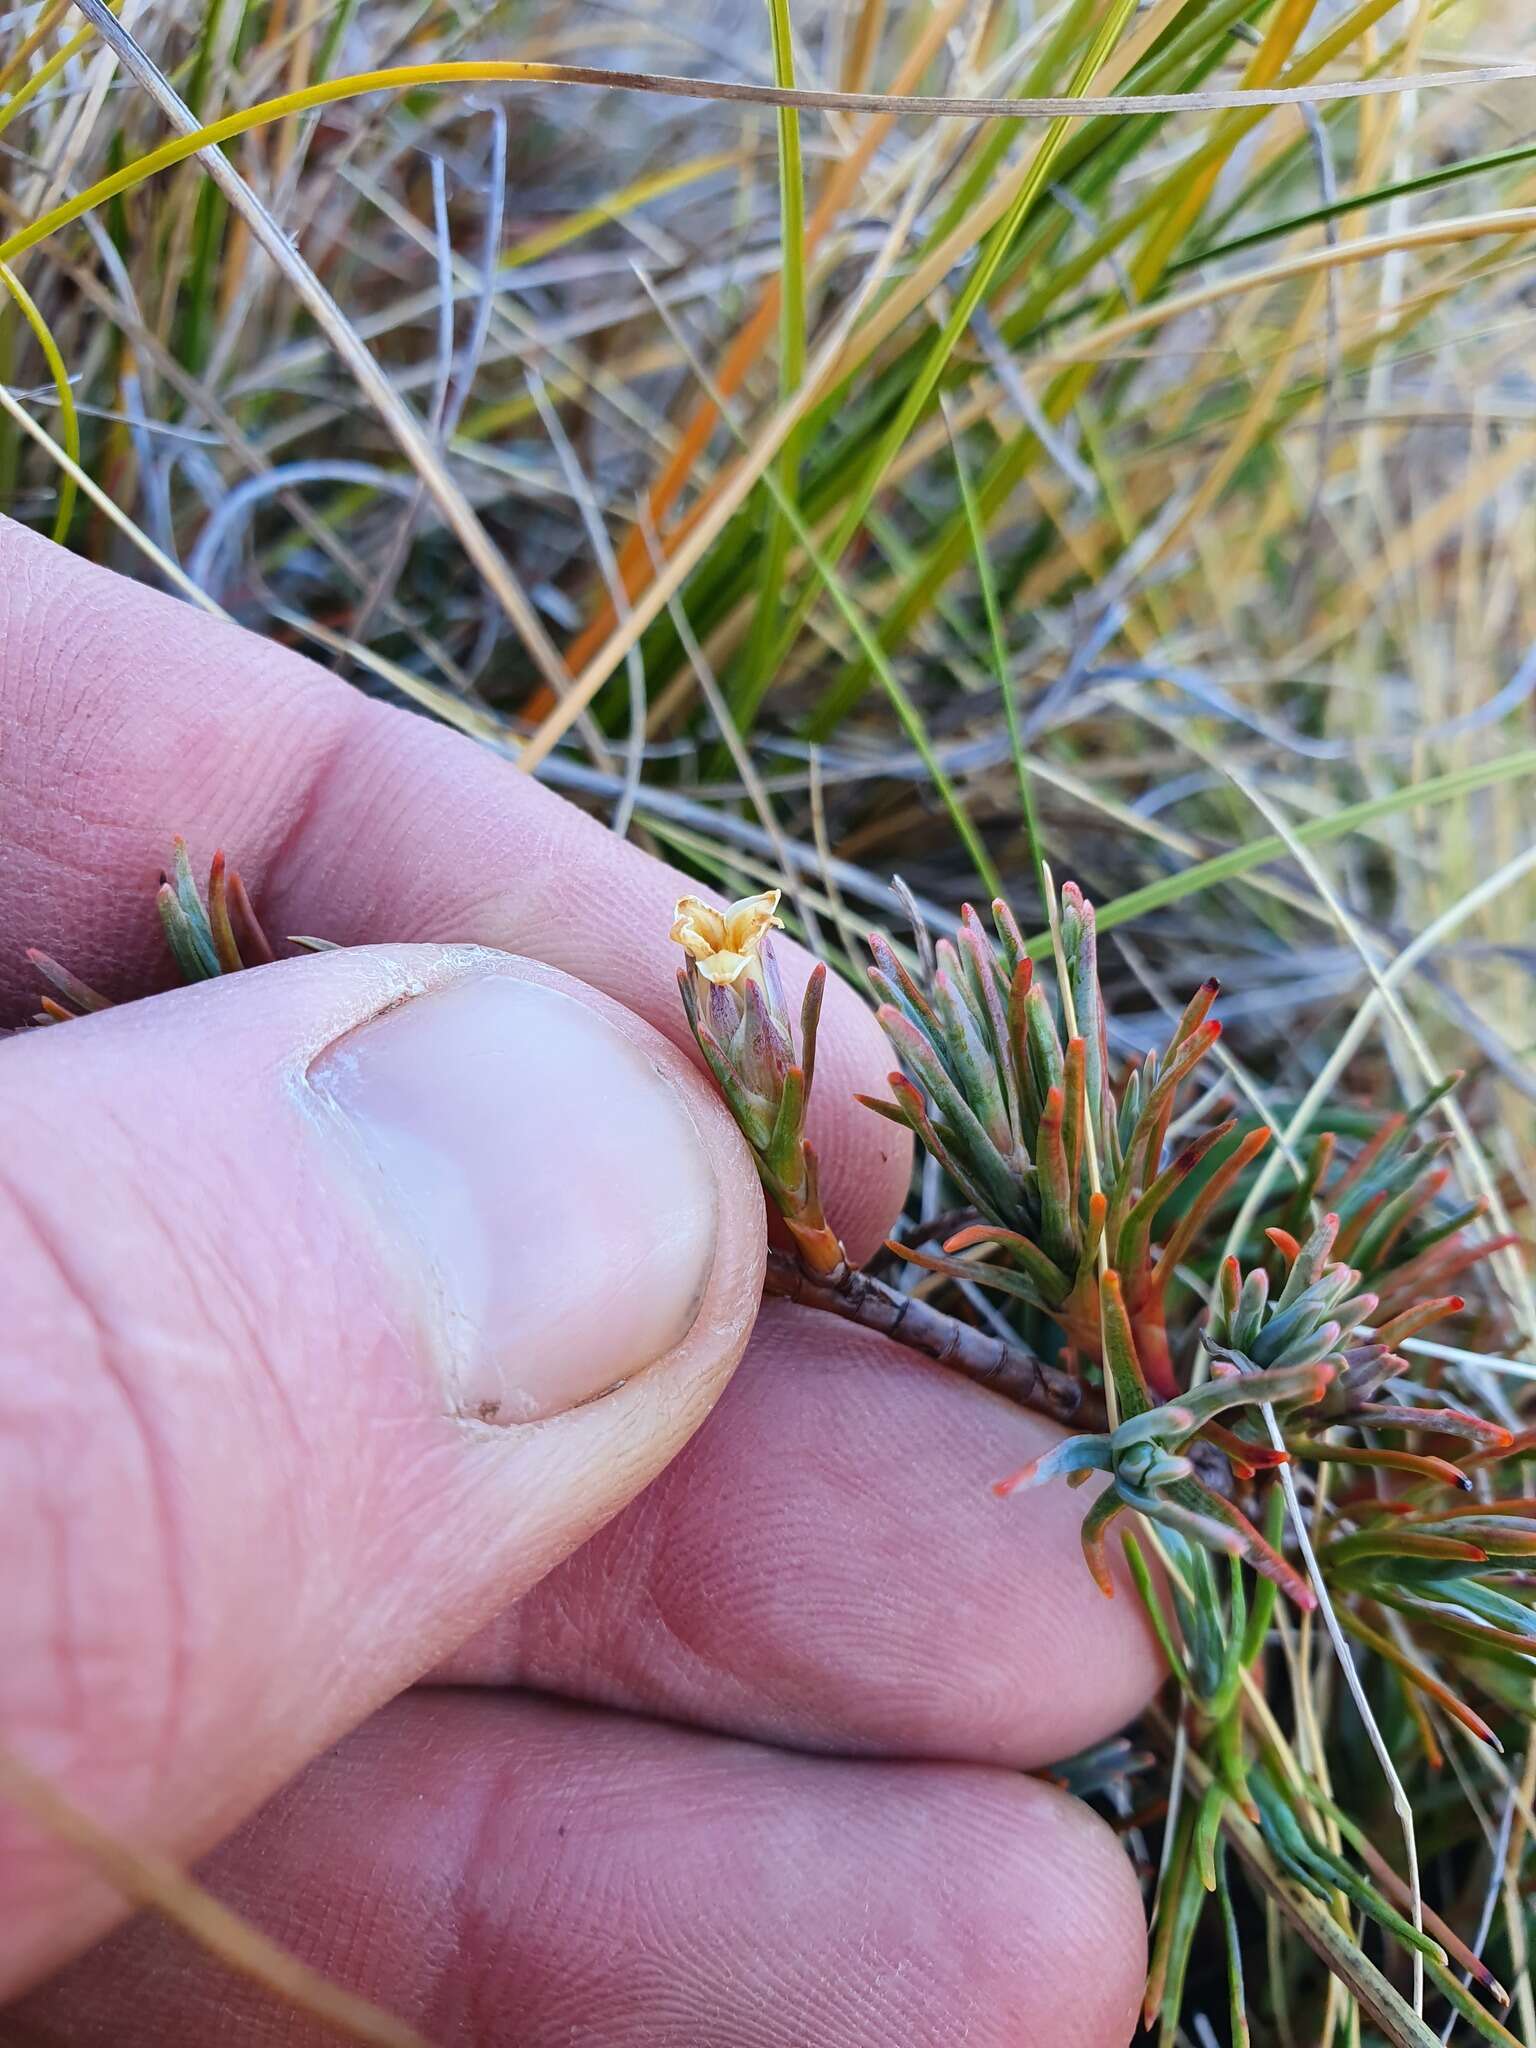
x: 736, y: 1007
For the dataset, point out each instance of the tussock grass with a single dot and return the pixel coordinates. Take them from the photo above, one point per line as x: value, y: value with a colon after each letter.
x: 821, y: 488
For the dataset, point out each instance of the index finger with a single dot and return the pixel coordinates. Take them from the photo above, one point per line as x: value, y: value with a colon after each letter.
x: 128, y: 717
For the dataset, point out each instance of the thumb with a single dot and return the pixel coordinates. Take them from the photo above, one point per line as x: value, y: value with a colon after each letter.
x: 342, y: 1299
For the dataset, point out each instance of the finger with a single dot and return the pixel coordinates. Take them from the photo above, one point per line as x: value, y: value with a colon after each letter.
x: 826, y: 1565
x: 342, y: 1299
x: 129, y: 717
x: 512, y: 1870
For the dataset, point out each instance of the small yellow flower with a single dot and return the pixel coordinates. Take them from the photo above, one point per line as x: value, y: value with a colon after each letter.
x: 724, y: 944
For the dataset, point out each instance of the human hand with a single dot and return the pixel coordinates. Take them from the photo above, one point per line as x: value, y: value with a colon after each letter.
x: 348, y: 1303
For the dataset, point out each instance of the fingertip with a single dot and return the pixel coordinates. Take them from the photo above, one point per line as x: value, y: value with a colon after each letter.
x: 1073, y: 1883
x: 1021, y: 1656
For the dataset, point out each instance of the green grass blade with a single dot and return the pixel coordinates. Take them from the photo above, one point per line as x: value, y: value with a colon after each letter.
x: 1005, y: 681
x: 757, y: 668
x: 1239, y: 860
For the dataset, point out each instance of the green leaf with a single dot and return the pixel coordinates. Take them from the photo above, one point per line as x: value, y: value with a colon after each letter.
x: 1046, y: 1291
x: 1332, y: 1944
x: 1120, y: 1359
x: 1156, y: 1613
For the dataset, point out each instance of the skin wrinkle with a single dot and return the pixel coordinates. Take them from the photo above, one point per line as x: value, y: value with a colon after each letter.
x: 691, y: 1643
x: 291, y: 751
x: 459, y: 1909
x: 799, y: 1650
x: 631, y: 1890
x: 633, y: 1555
x: 158, y: 1756
x: 218, y: 1303
x: 81, y: 724
x: 83, y: 736
x: 47, y: 704
x: 547, y: 1635
x: 57, y: 1514
x: 688, y: 1624
x: 362, y: 752
x: 320, y: 774
x: 195, y: 1281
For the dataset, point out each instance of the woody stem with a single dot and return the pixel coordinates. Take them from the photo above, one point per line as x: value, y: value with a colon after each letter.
x: 1008, y: 1369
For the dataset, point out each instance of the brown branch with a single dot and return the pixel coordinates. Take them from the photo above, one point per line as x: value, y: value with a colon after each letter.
x: 1008, y: 1369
